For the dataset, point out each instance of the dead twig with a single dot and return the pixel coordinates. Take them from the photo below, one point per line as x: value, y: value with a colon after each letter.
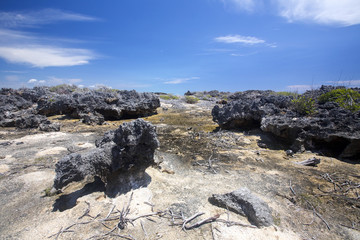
x: 232, y: 223
x: 318, y: 215
x: 190, y: 219
x: 291, y: 188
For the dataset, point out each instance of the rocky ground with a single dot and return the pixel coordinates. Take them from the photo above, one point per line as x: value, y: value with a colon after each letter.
x: 195, y: 160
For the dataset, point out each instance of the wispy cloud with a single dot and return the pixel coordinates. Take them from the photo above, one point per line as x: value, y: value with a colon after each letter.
x: 54, y: 81
x: 246, y: 5
x: 33, y: 80
x: 46, y: 56
x: 180, y: 80
x: 328, y: 12
x: 351, y: 83
x: 301, y: 88
x: 247, y: 40
x: 41, y: 17
x: 11, y: 78
x: 21, y: 47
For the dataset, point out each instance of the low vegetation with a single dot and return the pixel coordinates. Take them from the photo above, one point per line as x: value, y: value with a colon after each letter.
x: 345, y: 97
x: 304, y: 105
x: 63, y: 89
x: 191, y: 99
x: 285, y: 93
x: 168, y: 97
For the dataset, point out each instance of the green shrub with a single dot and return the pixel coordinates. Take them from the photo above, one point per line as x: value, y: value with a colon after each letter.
x: 168, y: 97
x: 191, y: 99
x: 303, y: 105
x: 63, y: 89
x: 345, y: 97
x: 294, y: 94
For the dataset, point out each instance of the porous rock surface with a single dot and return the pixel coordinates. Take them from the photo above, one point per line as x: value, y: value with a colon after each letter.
x: 332, y: 130
x: 28, y: 108
x: 243, y: 202
x: 130, y: 148
x: 97, y: 106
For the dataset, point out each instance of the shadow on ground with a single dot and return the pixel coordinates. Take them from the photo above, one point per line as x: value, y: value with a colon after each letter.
x: 117, y: 185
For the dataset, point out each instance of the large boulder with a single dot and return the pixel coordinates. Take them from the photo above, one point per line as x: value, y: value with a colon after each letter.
x: 247, y: 109
x: 97, y: 106
x: 331, y: 130
x: 243, y: 202
x: 130, y: 148
x: 91, y: 106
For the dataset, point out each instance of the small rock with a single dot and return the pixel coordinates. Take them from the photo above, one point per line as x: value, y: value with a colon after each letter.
x: 241, y: 201
x: 289, y: 153
x: 310, y: 162
x: 5, y: 143
x: 262, y: 145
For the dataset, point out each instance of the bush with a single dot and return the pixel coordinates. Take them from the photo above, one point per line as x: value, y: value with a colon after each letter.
x: 345, y: 97
x: 191, y: 99
x: 63, y: 89
x: 293, y: 94
x: 168, y: 97
x: 303, y: 105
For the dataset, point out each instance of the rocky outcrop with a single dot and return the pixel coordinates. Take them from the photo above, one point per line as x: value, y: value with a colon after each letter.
x: 28, y: 108
x: 243, y: 202
x: 331, y: 130
x: 130, y: 148
x: 97, y: 106
x: 247, y: 109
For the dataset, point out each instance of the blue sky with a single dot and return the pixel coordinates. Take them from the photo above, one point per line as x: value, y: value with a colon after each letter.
x: 175, y: 46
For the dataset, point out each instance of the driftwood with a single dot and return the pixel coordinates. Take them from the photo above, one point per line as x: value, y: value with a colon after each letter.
x: 310, y: 162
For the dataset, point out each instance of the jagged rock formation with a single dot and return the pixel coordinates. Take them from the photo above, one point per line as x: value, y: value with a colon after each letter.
x: 27, y: 108
x: 247, y: 109
x: 99, y: 106
x: 16, y: 111
x: 332, y: 130
x: 244, y: 203
x: 130, y: 148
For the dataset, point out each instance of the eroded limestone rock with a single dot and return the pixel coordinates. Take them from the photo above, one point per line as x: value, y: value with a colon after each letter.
x: 130, y: 148
x: 244, y: 203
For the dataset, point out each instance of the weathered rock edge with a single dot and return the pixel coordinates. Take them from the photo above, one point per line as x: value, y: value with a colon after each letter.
x: 128, y: 149
x: 331, y: 130
x: 28, y: 108
x: 243, y: 202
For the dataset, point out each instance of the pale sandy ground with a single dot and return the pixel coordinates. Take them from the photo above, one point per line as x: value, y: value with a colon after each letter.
x: 27, y: 169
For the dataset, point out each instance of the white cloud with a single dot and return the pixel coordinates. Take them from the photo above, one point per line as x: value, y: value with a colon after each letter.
x: 328, y: 12
x: 351, y: 83
x: 54, y: 81
x: 37, y: 50
x: 12, y: 78
x: 41, y: 17
x: 247, y: 5
x: 301, y: 88
x: 46, y: 56
x: 338, y: 12
x: 57, y: 81
x: 247, y: 40
x: 180, y: 80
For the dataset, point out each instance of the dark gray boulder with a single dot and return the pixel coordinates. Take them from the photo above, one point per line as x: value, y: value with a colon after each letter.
x: 23, y: 107
x: 98, y: 106
x: 128, y: 149
x: 248, y: 108
x: 241, y: 201
x: 331, y: 130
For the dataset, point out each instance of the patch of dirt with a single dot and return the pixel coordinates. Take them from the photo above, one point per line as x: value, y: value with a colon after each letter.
x: 194, y: 161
